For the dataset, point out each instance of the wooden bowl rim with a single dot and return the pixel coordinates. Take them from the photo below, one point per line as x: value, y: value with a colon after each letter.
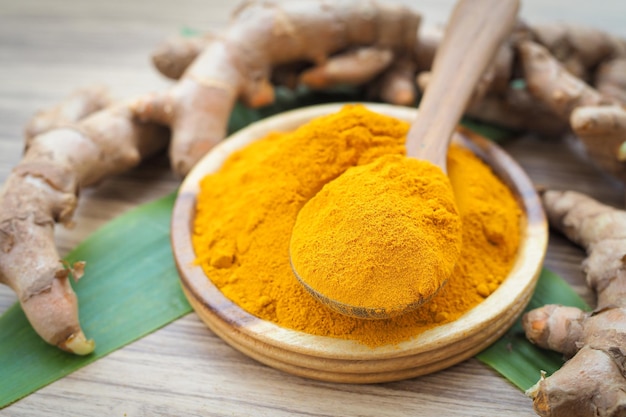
x: 483, y: 317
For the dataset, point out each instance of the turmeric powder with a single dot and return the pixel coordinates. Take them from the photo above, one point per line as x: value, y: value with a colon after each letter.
x: 380, y: 240
x: 246, y: 211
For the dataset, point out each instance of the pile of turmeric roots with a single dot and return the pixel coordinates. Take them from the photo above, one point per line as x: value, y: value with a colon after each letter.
x: 549, y: 79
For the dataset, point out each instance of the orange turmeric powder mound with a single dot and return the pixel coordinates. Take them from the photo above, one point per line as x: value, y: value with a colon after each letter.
x: 380, y: 239
x: 246, y: 211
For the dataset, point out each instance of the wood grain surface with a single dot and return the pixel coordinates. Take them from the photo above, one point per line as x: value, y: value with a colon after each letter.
x: 49, y: 48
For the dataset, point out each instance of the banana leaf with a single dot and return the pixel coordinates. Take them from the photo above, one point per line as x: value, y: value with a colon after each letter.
x: 129, y: 290
x: 513, y: 356
x: 131, y: 287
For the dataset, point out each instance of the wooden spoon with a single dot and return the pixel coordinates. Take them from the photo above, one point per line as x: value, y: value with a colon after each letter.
x: 473, y: 35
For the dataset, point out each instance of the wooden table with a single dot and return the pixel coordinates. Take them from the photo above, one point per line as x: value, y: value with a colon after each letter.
x: 48, y: 49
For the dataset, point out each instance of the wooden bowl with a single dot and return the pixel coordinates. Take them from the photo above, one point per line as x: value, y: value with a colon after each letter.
x: 339, y: 360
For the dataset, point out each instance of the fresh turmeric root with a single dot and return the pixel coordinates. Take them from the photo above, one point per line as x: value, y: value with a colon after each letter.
x: 593, y: 381
x: 597, y: 119
x: 77, y: 106
x: 70, y: 150
x: 350, y: 41
x: 591, y: 55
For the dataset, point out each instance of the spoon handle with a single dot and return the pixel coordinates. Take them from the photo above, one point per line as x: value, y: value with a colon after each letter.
x: 473, y: 34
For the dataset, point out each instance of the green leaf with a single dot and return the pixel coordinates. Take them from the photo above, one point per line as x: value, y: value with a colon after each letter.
x: 495, y: 133
x: 130, y: 289
x: 189, y: 32
x: 513, y: 355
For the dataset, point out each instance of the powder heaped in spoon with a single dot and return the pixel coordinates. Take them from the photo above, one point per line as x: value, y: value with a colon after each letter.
x: 381, y: 236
